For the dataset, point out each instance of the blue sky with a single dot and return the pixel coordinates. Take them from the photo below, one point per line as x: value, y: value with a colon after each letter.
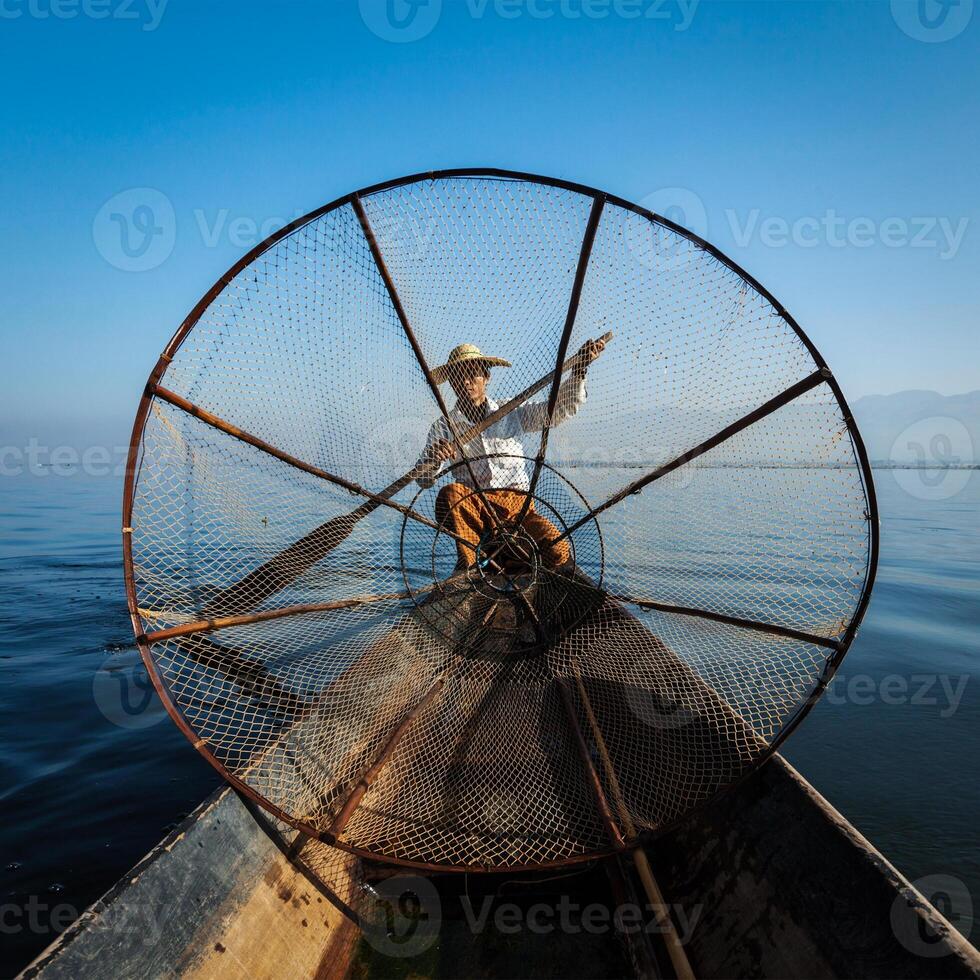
x: 830, y: 148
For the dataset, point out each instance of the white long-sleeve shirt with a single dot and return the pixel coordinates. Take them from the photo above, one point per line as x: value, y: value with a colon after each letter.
x: 502, y: 442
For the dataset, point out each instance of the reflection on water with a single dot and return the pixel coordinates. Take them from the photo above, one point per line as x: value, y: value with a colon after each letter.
x: 91, y: 781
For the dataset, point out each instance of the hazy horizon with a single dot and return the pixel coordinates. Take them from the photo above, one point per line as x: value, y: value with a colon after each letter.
x: 847, y: 188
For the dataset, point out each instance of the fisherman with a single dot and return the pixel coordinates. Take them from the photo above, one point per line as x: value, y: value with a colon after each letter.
x: 497, y: 454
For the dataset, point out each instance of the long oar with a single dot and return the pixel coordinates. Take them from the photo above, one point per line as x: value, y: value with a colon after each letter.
x: 278, y: 572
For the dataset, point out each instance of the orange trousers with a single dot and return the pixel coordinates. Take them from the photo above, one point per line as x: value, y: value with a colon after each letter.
x: 464, y: 513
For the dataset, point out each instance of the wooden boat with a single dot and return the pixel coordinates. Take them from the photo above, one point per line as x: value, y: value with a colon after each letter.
x: 770, y: 879
x: 787, y: 886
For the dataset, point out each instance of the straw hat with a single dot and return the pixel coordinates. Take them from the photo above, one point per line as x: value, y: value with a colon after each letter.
x: 462, y: 354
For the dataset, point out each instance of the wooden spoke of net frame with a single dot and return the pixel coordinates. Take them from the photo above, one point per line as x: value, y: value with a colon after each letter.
x: 256, y: 682
x: 767, y: 408
x: 658, y: 906
x: 750, y: 624
x: 417, y: 350
x: 217, y: 623
x: 793, y: 391
x: 235, y: 432
x: 250, y: 675
x: 585, y: 253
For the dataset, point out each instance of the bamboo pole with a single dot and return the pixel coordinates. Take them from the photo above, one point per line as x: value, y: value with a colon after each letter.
x: 612, y: 831
x: 224, y: 622
x: 749, y: 624
x: 585, y: 253
x: 767, y: 408
x: 675, y: 948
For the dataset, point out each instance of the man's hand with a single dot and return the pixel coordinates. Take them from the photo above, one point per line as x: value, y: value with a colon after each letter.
x: 440, y: 451
x: 434, y: 457
x: 587, y: 353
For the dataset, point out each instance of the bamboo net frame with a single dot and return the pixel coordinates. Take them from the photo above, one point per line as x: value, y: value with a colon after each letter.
x: 296, y: 595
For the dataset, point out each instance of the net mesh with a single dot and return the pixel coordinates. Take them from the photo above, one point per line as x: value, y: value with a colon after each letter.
x: 445, y: 672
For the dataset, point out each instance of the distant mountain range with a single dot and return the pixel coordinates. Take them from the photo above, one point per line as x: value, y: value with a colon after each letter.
x: 920, y: 427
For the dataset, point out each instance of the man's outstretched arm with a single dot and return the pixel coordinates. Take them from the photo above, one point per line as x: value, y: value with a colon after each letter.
x: 571, y: 393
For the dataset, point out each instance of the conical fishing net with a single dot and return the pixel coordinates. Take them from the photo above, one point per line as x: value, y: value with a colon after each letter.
x: 614, y: 599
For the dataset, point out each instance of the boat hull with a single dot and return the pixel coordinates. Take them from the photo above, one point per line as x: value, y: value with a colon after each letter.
x: 776, y: 882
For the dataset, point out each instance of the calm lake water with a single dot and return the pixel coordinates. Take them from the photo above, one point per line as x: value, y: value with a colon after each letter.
x: 93, y: 774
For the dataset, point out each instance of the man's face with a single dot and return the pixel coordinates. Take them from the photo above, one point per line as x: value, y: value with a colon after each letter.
x: 469, y: 381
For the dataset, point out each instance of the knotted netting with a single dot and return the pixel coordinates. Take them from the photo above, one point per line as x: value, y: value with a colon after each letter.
x: 329, y: 634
